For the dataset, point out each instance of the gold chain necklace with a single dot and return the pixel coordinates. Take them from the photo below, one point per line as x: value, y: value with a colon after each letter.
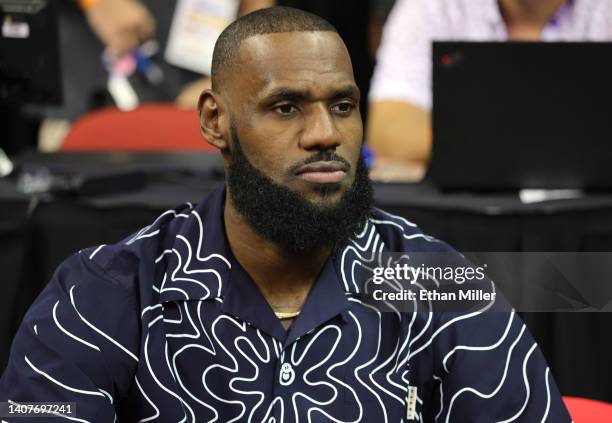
x: 284, y: 316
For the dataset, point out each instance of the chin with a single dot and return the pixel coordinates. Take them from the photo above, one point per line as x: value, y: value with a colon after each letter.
x: 326, y: 194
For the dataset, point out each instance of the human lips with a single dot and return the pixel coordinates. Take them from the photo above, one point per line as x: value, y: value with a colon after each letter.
x: 323, y: 172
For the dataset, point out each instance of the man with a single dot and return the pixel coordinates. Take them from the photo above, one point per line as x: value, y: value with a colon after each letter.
x: 245, y: 307
x: 123, y: 25
x: 400, y: 95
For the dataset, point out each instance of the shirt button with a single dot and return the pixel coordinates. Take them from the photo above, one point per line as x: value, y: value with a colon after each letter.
x: 287, y: 375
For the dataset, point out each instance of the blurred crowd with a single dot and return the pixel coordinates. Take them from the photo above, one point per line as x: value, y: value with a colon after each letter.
x: 389, y: 42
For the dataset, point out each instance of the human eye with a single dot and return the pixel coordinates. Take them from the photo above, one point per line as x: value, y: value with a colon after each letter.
x: 286, y: 109
x: 343, y: 108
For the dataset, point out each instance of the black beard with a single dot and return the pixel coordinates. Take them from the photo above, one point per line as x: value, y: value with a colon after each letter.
x: 288, y: 218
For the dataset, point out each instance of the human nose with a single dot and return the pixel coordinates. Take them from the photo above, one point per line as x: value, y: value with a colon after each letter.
x: 320, y: 131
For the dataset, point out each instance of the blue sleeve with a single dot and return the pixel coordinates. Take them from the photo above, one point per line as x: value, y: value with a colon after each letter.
x: 78, y: 343
x: 486, y: 367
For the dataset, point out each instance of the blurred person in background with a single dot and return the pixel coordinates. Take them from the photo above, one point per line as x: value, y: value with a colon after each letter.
x: 399, y: 122
x: 91, y: 30
x: 123, y: 25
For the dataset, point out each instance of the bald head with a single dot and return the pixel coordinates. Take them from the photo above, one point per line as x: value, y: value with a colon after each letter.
x: 264, y: 21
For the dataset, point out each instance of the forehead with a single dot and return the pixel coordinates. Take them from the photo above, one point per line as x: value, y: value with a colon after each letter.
x: 316, y: 61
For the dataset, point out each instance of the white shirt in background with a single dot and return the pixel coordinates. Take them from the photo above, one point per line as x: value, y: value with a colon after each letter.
x: 403, y: 70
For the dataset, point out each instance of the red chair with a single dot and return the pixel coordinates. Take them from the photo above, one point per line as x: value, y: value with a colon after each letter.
x: 585, y: 410
x: 150, y: 127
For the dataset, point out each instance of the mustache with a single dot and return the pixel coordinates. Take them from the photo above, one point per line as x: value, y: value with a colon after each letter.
x: 321, y: 156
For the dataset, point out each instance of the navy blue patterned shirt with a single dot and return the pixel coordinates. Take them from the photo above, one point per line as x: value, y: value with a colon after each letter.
x: 167, y: 326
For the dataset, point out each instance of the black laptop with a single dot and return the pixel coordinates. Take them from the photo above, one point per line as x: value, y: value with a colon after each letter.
x: 514, y: 115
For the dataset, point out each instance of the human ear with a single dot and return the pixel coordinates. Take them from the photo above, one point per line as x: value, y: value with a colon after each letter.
x: 213, y: 119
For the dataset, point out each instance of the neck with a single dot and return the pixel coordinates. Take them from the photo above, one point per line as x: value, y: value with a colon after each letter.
x: 283, y: 277
x: 525, y: 19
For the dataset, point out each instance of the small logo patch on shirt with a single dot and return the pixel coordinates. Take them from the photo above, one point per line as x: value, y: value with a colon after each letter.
x: 411, y: 400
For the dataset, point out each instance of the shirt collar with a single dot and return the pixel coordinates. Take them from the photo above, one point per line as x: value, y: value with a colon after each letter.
x: 202, y: 267
x: 198, y: 259
x: 325, y: 301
